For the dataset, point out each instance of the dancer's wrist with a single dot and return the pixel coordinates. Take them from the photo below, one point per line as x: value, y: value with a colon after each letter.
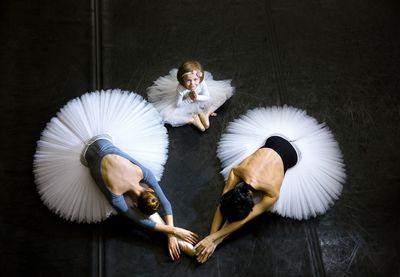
x: 171, y: 237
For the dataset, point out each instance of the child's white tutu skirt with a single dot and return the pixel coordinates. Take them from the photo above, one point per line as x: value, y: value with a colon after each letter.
x: 162, y: 94
x: 63, y: 182
x: 311, y: 186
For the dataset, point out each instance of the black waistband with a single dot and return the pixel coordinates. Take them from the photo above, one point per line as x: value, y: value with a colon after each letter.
x: 284, y: 149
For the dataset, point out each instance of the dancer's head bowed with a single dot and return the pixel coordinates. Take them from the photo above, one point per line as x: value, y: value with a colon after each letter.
x: 237, y: 203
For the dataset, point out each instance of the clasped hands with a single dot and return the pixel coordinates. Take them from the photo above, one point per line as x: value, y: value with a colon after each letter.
x: 173, y: 245
x: 203, y: 249
x: 193, y: 95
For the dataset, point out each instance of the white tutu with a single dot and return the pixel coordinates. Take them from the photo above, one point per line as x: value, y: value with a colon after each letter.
x: 310, y: 187
x: 64, y: 183
x: 163, y: 96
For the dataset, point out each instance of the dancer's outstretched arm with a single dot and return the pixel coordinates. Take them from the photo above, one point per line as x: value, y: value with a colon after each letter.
x: 205, y: 248
x: 167, y: 228
x: 218, y: 220
x: 173, y: 246
x: 233, y: 180
x: 173, y: 240
x: 150, y: 179
x: 145, y: 221
x: 181, y: 233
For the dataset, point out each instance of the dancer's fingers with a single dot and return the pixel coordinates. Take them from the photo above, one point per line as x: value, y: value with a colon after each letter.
x: 205, y: 256
x: 194, y: 240
x: 176, y: 253
x: 195, y: 237
x: 198, y: 248
x: 190, y: 240
x: 200, y: 252
x: 200, y: 258
x: 171, y: 254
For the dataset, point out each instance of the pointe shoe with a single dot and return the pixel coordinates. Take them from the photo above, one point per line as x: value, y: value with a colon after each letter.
x: 205, y: 120
x: 197, y: 122
x: 186, y: 248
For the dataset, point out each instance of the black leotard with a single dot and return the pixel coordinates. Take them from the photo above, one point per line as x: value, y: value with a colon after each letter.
x: 284, y: 149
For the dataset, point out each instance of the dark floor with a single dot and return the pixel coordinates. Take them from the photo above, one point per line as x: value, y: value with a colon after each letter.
x: 339, y: 60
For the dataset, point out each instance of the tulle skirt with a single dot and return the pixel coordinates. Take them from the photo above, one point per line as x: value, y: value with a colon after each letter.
x: 63, y: 182
x: 311, y: 186
x: 162, y: 94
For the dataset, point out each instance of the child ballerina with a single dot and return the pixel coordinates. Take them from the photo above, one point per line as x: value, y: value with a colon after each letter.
x: 189, y: 95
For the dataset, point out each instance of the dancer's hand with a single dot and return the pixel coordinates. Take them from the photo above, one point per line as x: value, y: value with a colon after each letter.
x: 186, y: 235
x: 173, y: 248
x: 205, y: 248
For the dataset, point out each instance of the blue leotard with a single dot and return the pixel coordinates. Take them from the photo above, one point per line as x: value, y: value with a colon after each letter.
x: 93, y: 156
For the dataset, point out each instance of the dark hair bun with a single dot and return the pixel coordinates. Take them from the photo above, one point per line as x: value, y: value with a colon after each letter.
x: 237, y: 203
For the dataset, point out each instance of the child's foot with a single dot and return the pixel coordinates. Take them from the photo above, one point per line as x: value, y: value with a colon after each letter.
x: 197, y: 122
x: 205, y: 120
x: 186, y: 248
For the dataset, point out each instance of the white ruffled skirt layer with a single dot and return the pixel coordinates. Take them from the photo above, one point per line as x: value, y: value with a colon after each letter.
x: 162, y: 94
x: 311, y: 186
x: 64, y: 183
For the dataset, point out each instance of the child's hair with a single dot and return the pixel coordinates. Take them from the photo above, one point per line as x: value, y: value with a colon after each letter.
x: 189, y: 67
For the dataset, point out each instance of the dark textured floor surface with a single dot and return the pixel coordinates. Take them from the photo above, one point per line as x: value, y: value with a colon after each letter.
x: 339, y: 60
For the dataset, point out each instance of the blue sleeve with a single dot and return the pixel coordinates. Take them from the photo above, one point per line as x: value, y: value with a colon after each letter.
x: 119, y: 203
x: 149, y: 179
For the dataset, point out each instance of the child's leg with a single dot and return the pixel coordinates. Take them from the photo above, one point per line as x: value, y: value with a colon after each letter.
x: 204, y: 117
x: 180, y: 120
x: 196, y: 121
x: 217, y: 101
x: 211, y: 110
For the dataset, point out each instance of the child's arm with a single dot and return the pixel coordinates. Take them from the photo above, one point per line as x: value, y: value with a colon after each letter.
x: 204, y: 94
x: 181, y: 92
